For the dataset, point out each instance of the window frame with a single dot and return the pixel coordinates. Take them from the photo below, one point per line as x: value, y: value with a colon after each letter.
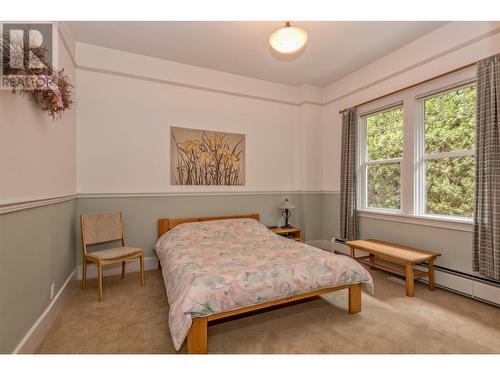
x: 412, y: 179
x: 422, y: 156
x: 364, y: 163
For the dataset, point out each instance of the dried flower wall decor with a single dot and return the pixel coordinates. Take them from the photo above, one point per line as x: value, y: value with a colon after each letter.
x: 48, y: 87
x: 202, y: 157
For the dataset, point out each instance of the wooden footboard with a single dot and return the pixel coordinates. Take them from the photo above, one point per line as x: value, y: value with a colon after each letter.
x: 197, y: 336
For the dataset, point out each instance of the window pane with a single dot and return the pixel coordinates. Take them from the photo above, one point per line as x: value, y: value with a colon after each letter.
x: 384, y: 186
x: 385, y: 134
x: 450, y: 121
x: 450, y: 186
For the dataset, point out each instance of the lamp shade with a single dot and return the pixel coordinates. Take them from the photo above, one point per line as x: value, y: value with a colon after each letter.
x: 288, y: 39
x: 286, y: 205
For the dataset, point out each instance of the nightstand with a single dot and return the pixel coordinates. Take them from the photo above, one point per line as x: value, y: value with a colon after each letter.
x: 292, y: 233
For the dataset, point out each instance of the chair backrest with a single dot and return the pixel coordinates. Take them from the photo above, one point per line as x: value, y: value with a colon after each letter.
x: 101, y: 227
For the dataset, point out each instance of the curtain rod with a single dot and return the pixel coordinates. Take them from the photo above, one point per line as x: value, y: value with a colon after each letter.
x: 416, y: 84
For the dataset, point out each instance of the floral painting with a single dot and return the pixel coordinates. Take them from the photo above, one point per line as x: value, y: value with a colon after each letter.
x: 203, y: 157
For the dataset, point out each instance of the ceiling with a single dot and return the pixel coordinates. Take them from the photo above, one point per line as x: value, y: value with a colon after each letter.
x: 334, y: 49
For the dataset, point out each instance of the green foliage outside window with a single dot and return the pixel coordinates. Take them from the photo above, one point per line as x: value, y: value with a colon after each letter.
x: 384, y: 186
x: 450, y: 122
x: 385, y: 141
x: 385, y: 134
x: 450, y: 186
x: 449, y: 125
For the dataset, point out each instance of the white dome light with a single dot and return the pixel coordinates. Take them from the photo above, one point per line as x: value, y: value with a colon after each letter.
x: 288, y: 39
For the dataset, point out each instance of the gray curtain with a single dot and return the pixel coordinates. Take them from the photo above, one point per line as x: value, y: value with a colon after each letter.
x: 486, y: 259
x: 348, y: 202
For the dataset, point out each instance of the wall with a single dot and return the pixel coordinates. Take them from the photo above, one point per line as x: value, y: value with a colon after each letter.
x: 37, y: 155
x: 37, y: 206
x: 124, y: 134
x: 141, y: 213
x: 126, y: 105
x: 449, y: 47
x: 37, y: 247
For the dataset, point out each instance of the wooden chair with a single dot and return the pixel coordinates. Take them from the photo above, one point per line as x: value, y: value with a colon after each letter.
x: 98, y: 228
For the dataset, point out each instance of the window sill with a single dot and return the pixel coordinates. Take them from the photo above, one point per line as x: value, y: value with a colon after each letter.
x: 453, y: 223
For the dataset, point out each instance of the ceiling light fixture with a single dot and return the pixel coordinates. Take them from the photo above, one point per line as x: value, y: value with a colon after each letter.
x: 288, y: 39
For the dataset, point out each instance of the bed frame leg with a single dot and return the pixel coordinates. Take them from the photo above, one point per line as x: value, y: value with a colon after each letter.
x: 197, y: 336
x: 355, y: 299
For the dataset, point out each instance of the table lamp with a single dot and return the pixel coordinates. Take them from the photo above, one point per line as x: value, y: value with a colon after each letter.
x: 286, y: 208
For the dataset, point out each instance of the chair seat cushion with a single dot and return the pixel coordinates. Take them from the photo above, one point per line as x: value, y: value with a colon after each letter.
x: 116, y: 252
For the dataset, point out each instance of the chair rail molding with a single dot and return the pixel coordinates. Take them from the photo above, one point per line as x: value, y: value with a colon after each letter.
x: 25, y: 204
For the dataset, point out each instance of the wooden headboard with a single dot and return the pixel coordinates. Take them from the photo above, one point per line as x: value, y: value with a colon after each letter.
x: 164, y: 225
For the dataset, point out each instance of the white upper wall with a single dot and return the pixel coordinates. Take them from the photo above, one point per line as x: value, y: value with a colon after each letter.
x: 450, y: 47
x: 37, y: 155
x: 127, y: 103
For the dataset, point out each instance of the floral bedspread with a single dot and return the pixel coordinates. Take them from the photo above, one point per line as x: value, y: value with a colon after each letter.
x: 214, y: 266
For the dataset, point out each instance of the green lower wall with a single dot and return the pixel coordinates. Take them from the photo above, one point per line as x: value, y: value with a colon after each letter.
x: 456, y: 246
x: 331, y: 216
x: 141, y: 213
x: 316, y: 214
x: 37, y: 248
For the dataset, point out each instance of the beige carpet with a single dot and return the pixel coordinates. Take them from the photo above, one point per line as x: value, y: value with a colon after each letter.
x: 134, y: 320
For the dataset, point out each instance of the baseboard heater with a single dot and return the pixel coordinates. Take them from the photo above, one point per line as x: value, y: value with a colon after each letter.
x: 472, y: 286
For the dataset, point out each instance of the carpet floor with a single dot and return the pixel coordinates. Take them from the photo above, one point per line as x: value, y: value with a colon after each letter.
x: 135, y: 320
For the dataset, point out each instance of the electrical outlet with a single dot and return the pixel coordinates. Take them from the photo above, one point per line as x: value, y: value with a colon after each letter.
x: 52, y: 289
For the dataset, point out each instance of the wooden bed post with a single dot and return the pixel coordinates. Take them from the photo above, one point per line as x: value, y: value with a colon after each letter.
x: 355, y: 299
x: 197, y: 336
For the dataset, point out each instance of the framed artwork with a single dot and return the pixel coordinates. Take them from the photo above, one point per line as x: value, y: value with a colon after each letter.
x: 205, y: 157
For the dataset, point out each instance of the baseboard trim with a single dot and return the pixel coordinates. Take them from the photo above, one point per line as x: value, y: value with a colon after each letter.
x: 150, y: 263
x: 37, y: 332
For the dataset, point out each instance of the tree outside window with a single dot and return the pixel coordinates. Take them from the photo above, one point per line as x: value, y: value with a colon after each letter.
x: 449, y: 137
x: 382, y: 164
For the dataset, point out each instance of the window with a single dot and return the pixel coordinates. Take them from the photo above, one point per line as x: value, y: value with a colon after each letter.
x: 416, y: 155
x: 449, y: 138
x: 383, y: 145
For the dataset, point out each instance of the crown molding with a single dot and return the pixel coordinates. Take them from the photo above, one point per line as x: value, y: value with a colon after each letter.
x: 67, y: 37
x: 195, y: 87
x: 413, y: 66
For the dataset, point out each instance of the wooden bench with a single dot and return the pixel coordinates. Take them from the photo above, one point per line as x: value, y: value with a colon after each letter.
x: 402, y: 260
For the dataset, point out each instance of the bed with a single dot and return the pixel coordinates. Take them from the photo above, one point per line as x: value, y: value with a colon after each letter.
x: 218, y: 267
